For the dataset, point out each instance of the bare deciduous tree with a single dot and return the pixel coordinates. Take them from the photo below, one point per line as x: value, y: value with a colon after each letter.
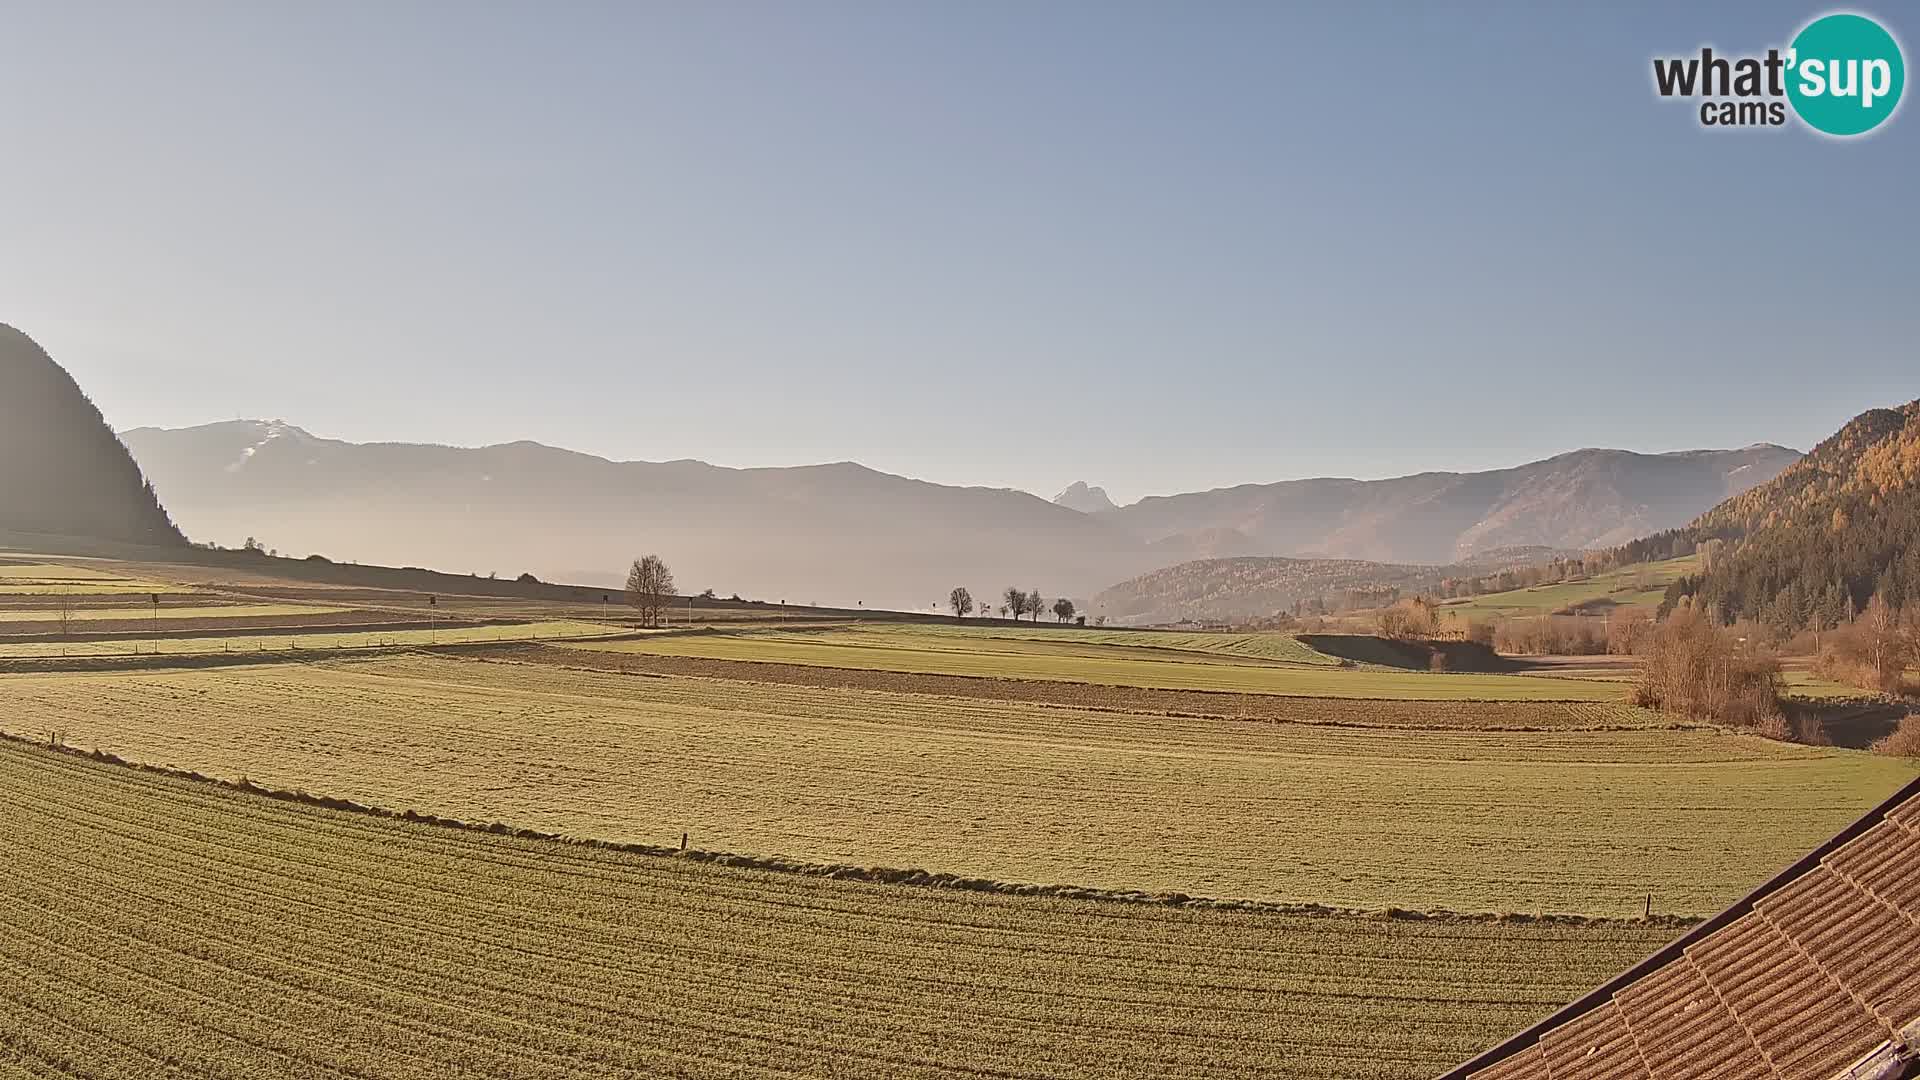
x: 961, y: 601
x: 1016, y: 603
x: 1035, y: 604
x: 649, y: 586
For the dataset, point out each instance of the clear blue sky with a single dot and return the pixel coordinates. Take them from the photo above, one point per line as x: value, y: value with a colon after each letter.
x: 1157, y: 246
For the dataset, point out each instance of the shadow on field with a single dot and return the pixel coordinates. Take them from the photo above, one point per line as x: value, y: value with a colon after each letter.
x: 1413, y: 655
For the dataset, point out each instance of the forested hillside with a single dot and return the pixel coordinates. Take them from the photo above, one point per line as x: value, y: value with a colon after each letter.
x: 62, y: 470
x: 1813, y: 545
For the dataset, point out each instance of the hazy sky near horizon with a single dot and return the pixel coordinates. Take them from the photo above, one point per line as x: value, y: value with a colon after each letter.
x: 1155, y: 246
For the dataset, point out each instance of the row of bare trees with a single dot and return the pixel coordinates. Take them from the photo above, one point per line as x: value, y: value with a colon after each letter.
x: 1015, y: 603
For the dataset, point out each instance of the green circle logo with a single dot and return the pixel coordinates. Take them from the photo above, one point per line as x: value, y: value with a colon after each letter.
x: 1845, y: 74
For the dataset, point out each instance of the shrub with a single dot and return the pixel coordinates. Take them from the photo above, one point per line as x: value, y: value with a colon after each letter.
x: 1414, y: 618
x: 1905, y: 740
x: 1809, y: 731
x: 1874, y: 650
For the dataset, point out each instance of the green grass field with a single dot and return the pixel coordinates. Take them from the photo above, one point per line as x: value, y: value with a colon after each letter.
x: 1556, y: 821
x: 1283, y: 648
x: 152, y: 927
x: 319, y: 641
x: 953, y: 651
x: 1633, y: 586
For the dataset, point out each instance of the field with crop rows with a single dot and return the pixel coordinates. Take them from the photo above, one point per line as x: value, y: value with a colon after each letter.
x: 151, y: 927
x: 1555, y: 821
x: 911, y: 649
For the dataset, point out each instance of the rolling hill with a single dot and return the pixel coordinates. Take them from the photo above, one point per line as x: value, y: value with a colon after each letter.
x: 1243, y: 588
x: 62, y: 471
x: 1828, y: 532
x: 843, y: 533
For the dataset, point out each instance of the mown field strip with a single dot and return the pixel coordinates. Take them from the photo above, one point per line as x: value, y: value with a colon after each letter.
x: 151, y: 926
x: 209, y: 611
x: 1119, y: 665
x: 307, y: 640
x: 42, y: 571
x: 1551, y: 821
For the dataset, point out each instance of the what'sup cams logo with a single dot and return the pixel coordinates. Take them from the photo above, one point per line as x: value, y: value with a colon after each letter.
x: 1842, y: 76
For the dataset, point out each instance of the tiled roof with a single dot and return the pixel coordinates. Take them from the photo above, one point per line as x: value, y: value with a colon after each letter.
x: 1815, y: 976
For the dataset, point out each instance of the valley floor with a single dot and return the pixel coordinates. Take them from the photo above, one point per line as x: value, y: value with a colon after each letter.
x: 155, y: 924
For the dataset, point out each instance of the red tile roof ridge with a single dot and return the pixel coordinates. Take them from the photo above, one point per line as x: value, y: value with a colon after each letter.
x: 1905, y: 802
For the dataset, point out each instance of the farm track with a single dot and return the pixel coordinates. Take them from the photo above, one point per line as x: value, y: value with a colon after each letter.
x: 1576, y: 822
x: 155, y: 924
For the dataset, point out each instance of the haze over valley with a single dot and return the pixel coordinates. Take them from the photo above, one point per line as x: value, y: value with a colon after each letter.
x: 845, y: 534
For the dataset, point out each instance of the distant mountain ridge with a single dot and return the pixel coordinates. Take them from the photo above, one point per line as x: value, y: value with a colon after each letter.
x: 1087, y: 500
x: 62, y: 470
x: 848, y: 534
x: 1582, y: 499
x: 835, y: 532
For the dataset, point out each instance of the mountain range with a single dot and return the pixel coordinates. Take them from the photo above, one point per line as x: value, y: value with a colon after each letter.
x: 844, y: 533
